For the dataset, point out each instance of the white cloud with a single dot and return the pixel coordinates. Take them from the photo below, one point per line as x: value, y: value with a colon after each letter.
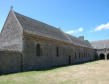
x: 101, y: 27
x: 80, y: 29
x: 75, y: 31
x: 70, y: 32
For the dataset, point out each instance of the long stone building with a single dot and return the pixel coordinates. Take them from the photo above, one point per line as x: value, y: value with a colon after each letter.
x: 28, y: 44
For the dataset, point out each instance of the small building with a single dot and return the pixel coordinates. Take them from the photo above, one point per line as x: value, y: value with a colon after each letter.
x: 28, y: 44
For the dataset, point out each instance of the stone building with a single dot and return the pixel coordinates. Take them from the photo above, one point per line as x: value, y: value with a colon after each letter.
x: 102, y: 48
x: 28, y: 44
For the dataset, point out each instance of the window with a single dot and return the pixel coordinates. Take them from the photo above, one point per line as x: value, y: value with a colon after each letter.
x: 79, y: 56
x: 75, y: 55
x: 84, y: 55
x: 38, y: 50
x: 57, y: 51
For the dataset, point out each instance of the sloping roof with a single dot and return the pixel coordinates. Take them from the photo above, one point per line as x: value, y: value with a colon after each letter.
x: 100, y: 44
x: 77, y: 41
x: 32, y: 26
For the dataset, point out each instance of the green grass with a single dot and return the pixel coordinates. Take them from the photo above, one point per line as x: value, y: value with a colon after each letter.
x: 96, y: 72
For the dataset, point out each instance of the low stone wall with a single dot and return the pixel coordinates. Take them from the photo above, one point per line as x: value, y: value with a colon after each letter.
x: 10, y: 62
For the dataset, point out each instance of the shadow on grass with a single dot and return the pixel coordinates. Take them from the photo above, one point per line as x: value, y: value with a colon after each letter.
x: 55, y: 67
x: 51, y: 68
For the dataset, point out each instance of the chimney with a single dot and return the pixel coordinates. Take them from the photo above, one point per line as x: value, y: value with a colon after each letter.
x: 81, y: 37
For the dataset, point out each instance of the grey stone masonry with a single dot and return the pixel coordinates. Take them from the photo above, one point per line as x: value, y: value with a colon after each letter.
x: 28, y: 44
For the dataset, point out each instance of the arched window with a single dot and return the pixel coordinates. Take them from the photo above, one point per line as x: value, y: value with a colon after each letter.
x: 57, y: 51
x: 38, y: 51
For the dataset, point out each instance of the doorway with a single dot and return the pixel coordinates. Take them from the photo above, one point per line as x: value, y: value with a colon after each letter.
x: 102, y: 56
x: 108, y: 56
x: 69, y: 60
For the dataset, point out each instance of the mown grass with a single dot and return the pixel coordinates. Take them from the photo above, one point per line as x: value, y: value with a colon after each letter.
x: 96, y: 72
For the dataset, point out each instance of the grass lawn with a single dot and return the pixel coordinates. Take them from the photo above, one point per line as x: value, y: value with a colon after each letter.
x: 96, y: 72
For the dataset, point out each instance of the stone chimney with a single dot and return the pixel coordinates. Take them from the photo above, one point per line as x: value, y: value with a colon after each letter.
x: 81, y: 37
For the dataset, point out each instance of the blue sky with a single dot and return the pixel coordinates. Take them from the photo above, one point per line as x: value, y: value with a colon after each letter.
x: 76, y: 17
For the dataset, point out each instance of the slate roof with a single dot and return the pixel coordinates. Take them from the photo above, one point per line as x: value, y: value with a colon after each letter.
x: 78, y: 41
x: 100, y: 44
x: 32, y: 26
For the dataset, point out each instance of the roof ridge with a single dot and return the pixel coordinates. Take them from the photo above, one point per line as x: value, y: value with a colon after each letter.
x: 34, y: 19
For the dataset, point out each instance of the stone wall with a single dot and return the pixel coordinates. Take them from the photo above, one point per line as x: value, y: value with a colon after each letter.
x: 10, y: 62
x: 68, y: 53
x: 104, y: 51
